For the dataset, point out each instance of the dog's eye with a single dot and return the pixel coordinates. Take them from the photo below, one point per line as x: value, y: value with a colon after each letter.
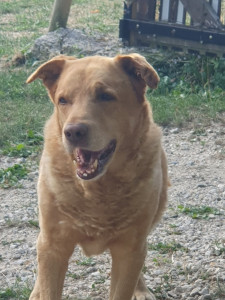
x: 62, y: 101
x: 105, y: 97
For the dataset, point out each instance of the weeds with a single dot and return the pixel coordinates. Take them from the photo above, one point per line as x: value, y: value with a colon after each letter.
x: 219, y: 248
x: 73, y: 275
x: 17, y: 292
x: 198, y: 212
x: 34, y: 223
x: 220, y: 292
x: 4, y: 243
x: 11, y: 176
x: 161, y: 260
x: 164, y: 248
x: 86, y: 262
x: 19, y: 150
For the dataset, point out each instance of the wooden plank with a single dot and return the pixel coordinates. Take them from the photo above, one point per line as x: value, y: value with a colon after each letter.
x: 174, y: 31
x: 151, y: 10
x: 202, y: 14
x: 142, y: 8
x: 181, y: 45
x: 173, y: 11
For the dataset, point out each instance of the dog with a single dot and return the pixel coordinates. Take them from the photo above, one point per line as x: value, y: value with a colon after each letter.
x: 103, y: 171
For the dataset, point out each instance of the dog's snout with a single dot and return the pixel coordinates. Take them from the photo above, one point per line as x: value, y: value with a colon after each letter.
x: 76, y: 134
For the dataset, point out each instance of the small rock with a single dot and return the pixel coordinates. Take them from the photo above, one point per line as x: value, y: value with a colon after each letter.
x: 205, y: 291
x: 207, y: 297
x: 194, y: 292
x: 174, y: 130
x: 172, y: 294
x: 91, y: 270
x: 201, y: 185
x: 179, y: 290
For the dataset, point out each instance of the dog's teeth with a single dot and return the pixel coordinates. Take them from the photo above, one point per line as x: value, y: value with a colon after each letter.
x: 95, y: 164
x: 85, y: 174
x: 74, y: 161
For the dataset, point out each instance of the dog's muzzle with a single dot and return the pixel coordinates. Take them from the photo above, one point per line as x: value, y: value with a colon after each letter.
x: 90, y: 164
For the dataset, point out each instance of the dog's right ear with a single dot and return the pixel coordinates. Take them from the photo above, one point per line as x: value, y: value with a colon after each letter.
x: 50, y: 71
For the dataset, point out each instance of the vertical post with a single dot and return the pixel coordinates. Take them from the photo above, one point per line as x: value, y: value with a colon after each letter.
x: 180, y: 13
x: 60, y: 14
x: 173, y: 11
x: 142, y: 9
x: 165, y: 10
x: 151, y: 10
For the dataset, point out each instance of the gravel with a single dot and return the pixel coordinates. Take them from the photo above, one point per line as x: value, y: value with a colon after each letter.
x: 193, y: 264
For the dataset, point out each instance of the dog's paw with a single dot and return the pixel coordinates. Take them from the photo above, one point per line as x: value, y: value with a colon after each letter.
x: 143, y: 296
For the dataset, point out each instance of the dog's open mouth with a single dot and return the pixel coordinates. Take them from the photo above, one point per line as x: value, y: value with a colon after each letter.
x: 90, y: 164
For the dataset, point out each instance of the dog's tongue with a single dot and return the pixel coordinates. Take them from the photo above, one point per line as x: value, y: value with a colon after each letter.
x: 85, y: 157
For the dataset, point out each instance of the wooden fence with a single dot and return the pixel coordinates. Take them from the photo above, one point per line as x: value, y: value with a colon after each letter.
x: 190, y: 25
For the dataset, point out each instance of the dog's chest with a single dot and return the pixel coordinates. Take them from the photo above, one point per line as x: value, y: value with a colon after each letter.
x: 102, y: 213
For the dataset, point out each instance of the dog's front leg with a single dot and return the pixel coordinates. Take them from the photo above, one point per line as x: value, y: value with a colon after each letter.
x: 127, y: 261
x: 53, y: 256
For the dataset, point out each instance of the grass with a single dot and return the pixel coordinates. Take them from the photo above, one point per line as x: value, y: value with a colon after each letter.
x: 34, y: 223
x: 87, y: 261
x: 180, y: 109
x: 17, y: 292
x: 98, y: 15
x: 191, y: 88
x: 11, y: 176
x: 24, y: 107
x: 164, y: 248
x: 198, y: 212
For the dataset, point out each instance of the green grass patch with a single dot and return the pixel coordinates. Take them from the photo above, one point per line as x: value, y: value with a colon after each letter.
x: 198, y: 212
x: 164, y: 248
x: 33, y: 143
x: 191, y: 88
x: 11, y: 176
x: 24, y: 108
x: 86, y: 262
x: 19, y: 150
x: 178, y: 108
x: 25, y: 15
x: 16, y: 292
x: 96, y: 15
x: 34, y: 223
x: 73, y: 275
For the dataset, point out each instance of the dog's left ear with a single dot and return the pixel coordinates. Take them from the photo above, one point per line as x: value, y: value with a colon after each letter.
x: 140, y: 71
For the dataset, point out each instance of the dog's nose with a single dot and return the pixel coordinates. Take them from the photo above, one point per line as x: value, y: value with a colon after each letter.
x: 76, y: 134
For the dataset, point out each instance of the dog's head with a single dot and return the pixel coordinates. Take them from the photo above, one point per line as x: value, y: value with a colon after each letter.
x: 98, y: 101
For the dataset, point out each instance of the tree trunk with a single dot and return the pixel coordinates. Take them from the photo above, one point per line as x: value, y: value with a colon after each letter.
x: 60, y: 14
